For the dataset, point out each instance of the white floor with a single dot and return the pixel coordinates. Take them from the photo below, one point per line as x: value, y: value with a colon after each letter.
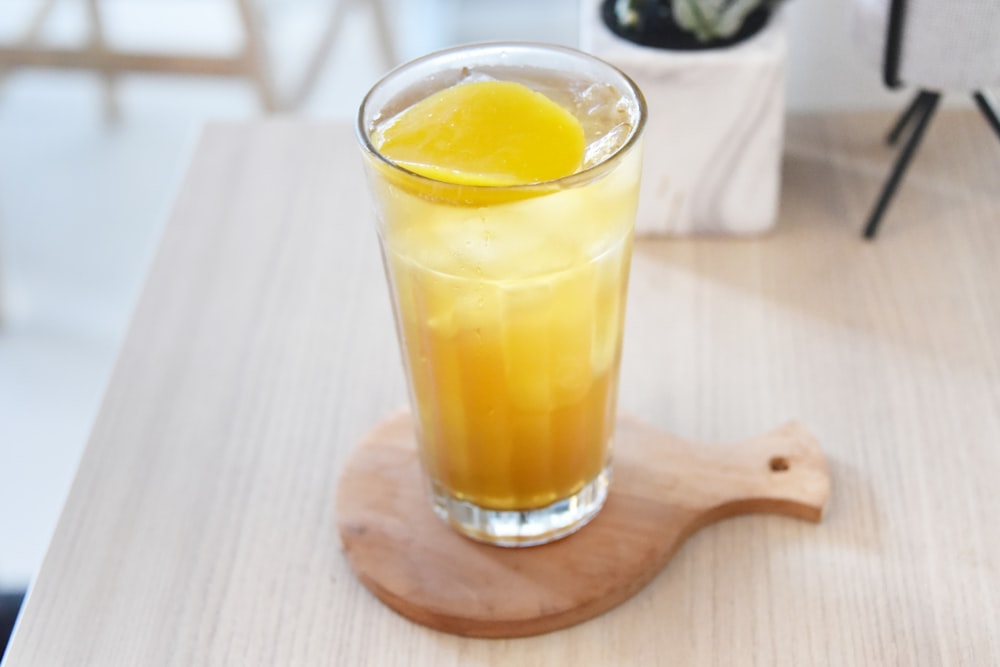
x: 82, y: 201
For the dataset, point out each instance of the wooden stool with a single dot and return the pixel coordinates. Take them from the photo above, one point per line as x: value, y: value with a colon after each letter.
x: 251, y: 62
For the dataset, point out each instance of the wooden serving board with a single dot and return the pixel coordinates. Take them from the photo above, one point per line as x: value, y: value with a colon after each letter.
x: 664, y: 489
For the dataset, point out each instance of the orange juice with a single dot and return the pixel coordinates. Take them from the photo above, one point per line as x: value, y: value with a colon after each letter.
x: 507, y: 247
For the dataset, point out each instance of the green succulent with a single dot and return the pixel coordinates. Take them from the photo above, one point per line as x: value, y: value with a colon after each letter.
x: 707, y: 20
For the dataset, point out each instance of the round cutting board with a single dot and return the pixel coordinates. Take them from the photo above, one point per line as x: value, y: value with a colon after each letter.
x: 664, y: 489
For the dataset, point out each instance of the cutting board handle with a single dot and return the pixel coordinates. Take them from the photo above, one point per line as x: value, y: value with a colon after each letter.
x: 782, y: 472
x: 786, y: 473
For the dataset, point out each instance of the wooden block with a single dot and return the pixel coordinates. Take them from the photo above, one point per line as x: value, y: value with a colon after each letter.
x: 715, y: 130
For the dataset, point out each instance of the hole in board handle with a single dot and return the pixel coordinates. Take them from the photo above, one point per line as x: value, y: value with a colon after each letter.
x: 778, y: 464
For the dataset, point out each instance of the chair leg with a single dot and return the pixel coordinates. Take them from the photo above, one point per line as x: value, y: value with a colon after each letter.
x: 381, y: 16
x: 988, y: 110
x: 108, y: 77
x: 928, y: 106
x: 35, y: 26
x: 255, y: 57
x: 320, y: 56
x: 916, y: 105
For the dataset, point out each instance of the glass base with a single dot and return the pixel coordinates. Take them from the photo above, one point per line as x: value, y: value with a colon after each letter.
x: 528, y: 528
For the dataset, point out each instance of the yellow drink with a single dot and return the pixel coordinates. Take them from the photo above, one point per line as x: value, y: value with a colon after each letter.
x: 509, y: 295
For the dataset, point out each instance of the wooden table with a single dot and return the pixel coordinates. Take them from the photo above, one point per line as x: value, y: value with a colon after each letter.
x: 200, y: 527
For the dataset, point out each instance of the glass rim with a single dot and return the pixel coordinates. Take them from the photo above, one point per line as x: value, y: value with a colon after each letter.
x: 584, y: 175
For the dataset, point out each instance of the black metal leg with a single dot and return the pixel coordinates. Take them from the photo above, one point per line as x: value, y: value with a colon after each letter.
x: 10, y: 606
x: 988, y: 110
x: 929, y: 105
x: 916, y: 105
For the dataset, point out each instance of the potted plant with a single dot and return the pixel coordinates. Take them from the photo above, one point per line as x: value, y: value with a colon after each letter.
x: 713, y: 73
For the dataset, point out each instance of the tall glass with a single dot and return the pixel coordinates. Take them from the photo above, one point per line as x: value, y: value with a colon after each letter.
x: 510, y: 300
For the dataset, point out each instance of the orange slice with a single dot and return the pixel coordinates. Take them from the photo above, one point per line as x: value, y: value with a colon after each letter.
x: 483, y: 133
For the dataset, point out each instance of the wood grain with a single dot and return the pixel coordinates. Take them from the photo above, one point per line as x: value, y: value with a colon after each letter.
x: 664, y: 490
x: 200, y: 529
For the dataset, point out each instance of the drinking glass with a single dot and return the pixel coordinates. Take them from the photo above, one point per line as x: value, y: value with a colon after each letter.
x: 509, y: 301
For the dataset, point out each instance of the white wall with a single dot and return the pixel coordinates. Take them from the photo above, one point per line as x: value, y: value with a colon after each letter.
x: 824, y: 71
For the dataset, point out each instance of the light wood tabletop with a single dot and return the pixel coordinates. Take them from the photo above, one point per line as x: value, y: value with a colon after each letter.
x: 200, y: 529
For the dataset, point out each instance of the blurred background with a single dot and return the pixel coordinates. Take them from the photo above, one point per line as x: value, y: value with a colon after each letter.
x: 87, y: 179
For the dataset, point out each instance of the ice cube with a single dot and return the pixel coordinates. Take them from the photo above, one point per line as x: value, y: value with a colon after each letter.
x: 605, y: 146
x: 597, y: 99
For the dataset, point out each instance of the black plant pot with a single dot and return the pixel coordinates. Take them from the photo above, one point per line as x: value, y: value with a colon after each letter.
x: 658, y: 29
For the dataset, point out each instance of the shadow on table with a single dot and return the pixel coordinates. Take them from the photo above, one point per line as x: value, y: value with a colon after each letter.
x: 919, y: 287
